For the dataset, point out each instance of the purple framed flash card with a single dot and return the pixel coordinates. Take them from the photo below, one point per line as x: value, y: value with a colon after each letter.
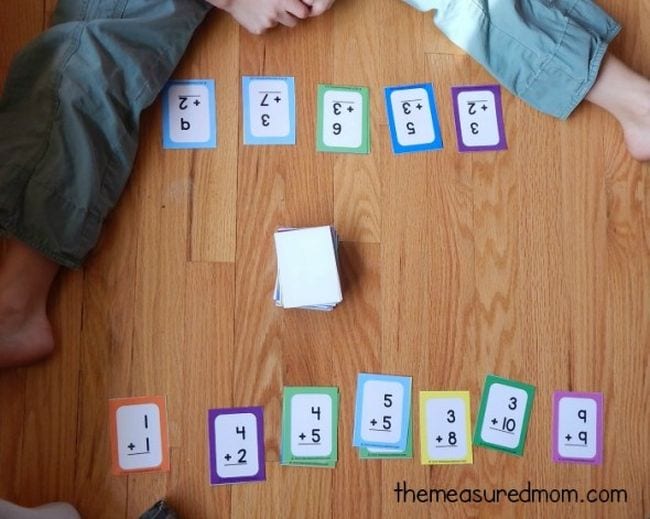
x: 236, y: 438
x: 478, y: 114
x: 577, y: 427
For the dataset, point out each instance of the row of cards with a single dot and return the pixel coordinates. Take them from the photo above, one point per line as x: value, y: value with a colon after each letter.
x: 382, y: 427
x: 342, y: 126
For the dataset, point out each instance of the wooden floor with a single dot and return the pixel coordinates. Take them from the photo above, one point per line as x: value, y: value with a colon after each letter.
x: 532, y: 263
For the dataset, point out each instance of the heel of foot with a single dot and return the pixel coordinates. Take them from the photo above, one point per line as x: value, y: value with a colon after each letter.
x: 28, y: 343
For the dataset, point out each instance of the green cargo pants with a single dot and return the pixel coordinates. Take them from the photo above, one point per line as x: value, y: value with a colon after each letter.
x: 70, y: 111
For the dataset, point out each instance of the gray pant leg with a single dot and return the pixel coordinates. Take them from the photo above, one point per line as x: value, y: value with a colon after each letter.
x: 547, y: 52
x: 69, y: 116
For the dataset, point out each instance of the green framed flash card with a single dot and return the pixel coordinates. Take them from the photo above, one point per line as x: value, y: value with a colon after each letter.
x: 504, y: 413
x: 310, y: 426
x: 342, y: 119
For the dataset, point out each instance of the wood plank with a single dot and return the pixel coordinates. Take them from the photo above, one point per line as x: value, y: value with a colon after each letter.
x: 159, y: 310
x: 277, y: 186
x: 19, y: 24
x: 355, y: 347
x: 51, y: 402
x: 357, y: 181
x: 427, y: 265
x: 106, y: 357
x: 214, y: 175
x: 209, y: 327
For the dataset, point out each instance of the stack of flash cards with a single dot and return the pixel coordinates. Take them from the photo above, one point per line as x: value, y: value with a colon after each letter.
x: 308, y: 275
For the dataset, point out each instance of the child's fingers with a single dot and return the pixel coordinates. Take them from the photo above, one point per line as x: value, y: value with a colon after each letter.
x: 287, y: 19
x: 318, y: 7
x: 297, y: 8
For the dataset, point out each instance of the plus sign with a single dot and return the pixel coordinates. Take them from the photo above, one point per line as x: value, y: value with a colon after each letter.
x: 494, y: 421
x: 568, y: 437
x: 350, y: 109
x: 197, y: 102
x: 277, y: 99
x: 130, y: 446
x: 439, y: 439
x: 228, y: 457
x: 302, y: 436
x: 418, y: 106
x: 373, y: 422
x: 484, y: 108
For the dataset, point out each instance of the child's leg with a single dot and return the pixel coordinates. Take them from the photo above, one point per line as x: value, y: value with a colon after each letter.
x: 25, y: 280
x: 626, y: 95
x: 549, y: 54
x: 49, y: 511
x: 69, y: 120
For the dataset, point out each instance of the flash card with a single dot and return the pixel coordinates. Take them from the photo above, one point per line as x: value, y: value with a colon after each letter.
x: 445, y: 430
x: 578, y: 427
x: 138, y: 431
x: 269, y: 110
x: 503, y: 415
x: 236, y: 445
x: 189, y: 114
x: 383, y: 410
x: 413, y: 118
x: 309, y: 426
x: 342, y: 119
x: 478, y: 113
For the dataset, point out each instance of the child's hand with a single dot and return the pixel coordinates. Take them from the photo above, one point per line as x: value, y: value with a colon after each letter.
x: 258, y: 16
x: 318, y: 7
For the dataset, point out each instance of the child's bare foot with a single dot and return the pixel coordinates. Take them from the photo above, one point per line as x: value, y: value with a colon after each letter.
x: 637, y: 131
x: 25, y: 280
x: 626, y: 95
x: 50, y: 511
x: 25, y: 336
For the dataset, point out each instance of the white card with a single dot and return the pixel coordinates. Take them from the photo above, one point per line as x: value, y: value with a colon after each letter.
x: 504, y: 414
x: 189, y: 113
x: 236, y: 445
x: 342, y: 119
x: 139, y: 437
x: 307, y: 268
x: 578, y: 428
x: 413, y: 117
x: 478, y: 118
x: 269, y: 114
x: 382, y: 411
x: 311, y: 425
x: 446, y: 429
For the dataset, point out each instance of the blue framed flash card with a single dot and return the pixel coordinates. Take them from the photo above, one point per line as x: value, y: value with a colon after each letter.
x: 269, y: 110
x: 383, y: 411
x: 413, y: 118
x: 189, y: 114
